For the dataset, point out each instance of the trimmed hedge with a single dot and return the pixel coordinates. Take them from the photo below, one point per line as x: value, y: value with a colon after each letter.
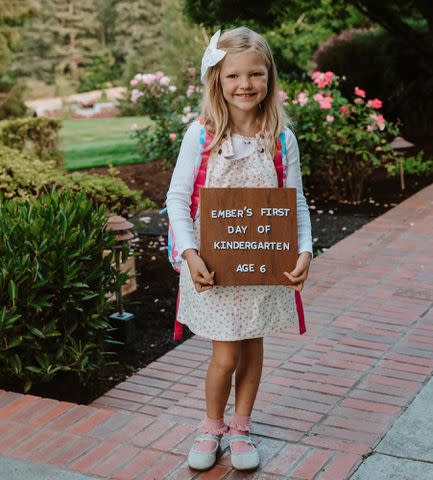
x: 23, y: 175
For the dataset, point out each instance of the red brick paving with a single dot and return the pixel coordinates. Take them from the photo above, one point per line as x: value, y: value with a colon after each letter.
x: 326, y: 398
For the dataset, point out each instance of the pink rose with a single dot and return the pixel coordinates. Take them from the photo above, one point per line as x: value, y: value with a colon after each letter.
x: 283, y: 95
x: 329, y: 118
x: 303, y: 98
x: 159, y: 74
x: 375, y: 103
x: 325, y: 103
x: 135, y: 95
x: 172, y: 136
x: 322, y: 79
x: 148, y: 78
x: 358, y: 100
x: 164, y: 81
x: 133, y: 82
x: 371, y: 128
x: 345, y: 110
x: 359, y: 92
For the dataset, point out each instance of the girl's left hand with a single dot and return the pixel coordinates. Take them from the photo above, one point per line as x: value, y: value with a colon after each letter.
x: 300, y: 273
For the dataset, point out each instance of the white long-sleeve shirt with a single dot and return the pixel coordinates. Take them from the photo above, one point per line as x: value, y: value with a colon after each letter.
x: 182, y: 184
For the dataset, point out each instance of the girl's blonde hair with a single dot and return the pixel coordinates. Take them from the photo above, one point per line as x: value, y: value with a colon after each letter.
x: 214, y: 107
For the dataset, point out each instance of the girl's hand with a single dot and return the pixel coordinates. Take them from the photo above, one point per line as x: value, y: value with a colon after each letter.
x: 300, y: 273
x: 203, y: 280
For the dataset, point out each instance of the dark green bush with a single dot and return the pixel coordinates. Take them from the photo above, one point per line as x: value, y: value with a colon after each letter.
x: 35, y: 134
x: 386, y: 69
x: 54, y: 282
x: 22, y: 175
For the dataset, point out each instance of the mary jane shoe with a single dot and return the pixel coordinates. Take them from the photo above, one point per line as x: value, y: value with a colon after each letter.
x: 204, y: 460
x: 244, y: 460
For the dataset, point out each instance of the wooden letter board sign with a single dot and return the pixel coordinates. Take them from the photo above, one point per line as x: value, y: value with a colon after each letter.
x: 248, y: 236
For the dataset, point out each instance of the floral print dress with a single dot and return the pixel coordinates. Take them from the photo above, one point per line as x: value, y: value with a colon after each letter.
x: 244, y: 311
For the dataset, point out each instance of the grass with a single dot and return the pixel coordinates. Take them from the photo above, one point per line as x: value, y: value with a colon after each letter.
x: 99, y: 142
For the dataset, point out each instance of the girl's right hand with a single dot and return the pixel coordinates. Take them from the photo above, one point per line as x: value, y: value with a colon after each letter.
x: 202, y: 279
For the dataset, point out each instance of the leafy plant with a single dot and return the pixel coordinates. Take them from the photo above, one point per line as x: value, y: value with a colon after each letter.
x: 38, y: 135
x: 23, y: 175
x: 342, y: 141
x: 54, y: 283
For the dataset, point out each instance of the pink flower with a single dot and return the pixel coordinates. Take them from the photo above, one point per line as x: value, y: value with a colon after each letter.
x: 359, y: 92
x: 164, y: 81
x: 371, y: 128
x: 345, y: 110
x: 302, y: 98
x: 358, y: 100
x: 133, y: 82
x: 191, y: 72
x: 172, y: 136
x: 135, y: 95
x: 322, y: 79
x: 325, y: 103
x: 159, y: 74
x: 375, y: 103
x: 190, y: 90
x: 148, y: 78
x: 379, y: 119
x: 283, y: 95
x: 172, y: 88
x: 329, y: 118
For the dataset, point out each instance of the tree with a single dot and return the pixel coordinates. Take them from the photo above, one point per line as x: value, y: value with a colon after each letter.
x: 138, y: 32
x: 410, y: 22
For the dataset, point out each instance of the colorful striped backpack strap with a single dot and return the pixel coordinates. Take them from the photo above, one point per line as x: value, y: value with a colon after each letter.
x: 280, y: 162
x: 200, y: 171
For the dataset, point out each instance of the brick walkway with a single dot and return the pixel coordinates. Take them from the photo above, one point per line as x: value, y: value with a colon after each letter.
x: 326, y: 399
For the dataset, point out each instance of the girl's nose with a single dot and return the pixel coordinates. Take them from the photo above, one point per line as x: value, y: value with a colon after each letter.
x: 245, y: 82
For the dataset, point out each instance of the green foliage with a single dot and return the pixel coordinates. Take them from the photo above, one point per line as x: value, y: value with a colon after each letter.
x: 11, y: 99
x: 183, y: 42
x: 388, y: 69
x: 54, y: 283
x: 170, y: 114
x: 342, y: 141
x: 161, y: 140
x: 38, y: 135
x: 99, y: 73
x: 414, y: 165
x: 23, y: 175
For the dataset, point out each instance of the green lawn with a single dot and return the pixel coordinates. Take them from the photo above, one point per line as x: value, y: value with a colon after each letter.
x: 99, y: 142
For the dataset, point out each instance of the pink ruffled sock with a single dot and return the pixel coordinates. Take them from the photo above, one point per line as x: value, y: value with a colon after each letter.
x: 240, y: 425
x: 215, y: 427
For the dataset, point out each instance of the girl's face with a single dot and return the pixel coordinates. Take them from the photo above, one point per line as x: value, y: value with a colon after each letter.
x: 244, y: 80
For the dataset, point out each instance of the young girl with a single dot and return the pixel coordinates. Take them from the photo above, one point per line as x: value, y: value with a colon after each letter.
x: 242, y: 110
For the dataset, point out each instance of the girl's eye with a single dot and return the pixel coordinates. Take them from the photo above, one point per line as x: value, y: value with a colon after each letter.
x: 232, y: 75
x: 257, y: 74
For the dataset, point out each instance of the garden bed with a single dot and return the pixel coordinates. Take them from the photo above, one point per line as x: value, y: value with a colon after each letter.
x: 153, y: 304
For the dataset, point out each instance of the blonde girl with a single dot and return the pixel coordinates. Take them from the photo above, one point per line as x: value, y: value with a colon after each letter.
x: 242, y: 110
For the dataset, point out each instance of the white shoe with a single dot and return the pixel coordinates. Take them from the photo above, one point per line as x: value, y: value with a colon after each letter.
x: 204, y: 460
x: 244, y: 460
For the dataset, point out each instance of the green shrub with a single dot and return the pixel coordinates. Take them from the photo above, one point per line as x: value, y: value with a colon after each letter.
x: 385, y: 68
x: 342, y: 141
x: 54, y: 283
x: 22, y: 175
x: 38, y: 135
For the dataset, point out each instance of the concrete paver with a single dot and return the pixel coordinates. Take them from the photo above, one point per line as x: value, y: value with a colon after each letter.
x: 13, y: 469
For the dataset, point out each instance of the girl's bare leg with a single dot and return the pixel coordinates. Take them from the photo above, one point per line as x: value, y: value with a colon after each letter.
x: 248, y: 374
x: 224, y: 360
x: 247, y: 378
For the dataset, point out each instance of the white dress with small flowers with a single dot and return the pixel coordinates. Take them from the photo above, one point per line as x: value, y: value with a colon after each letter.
x: 236, y: 312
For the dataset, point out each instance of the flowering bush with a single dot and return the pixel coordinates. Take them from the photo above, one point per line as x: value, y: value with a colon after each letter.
x: 152, y: 94
x: 342, y: 141
x: 176, y: 109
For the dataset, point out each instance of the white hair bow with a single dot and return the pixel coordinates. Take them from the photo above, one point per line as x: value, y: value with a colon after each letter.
x: 212, y: 55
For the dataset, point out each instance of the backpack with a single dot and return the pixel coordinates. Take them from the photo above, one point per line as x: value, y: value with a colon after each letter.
x: 200, y: 170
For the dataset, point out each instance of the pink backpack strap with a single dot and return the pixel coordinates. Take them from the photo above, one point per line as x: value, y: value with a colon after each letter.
x: 280, y: 169
x: 199, y: 182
